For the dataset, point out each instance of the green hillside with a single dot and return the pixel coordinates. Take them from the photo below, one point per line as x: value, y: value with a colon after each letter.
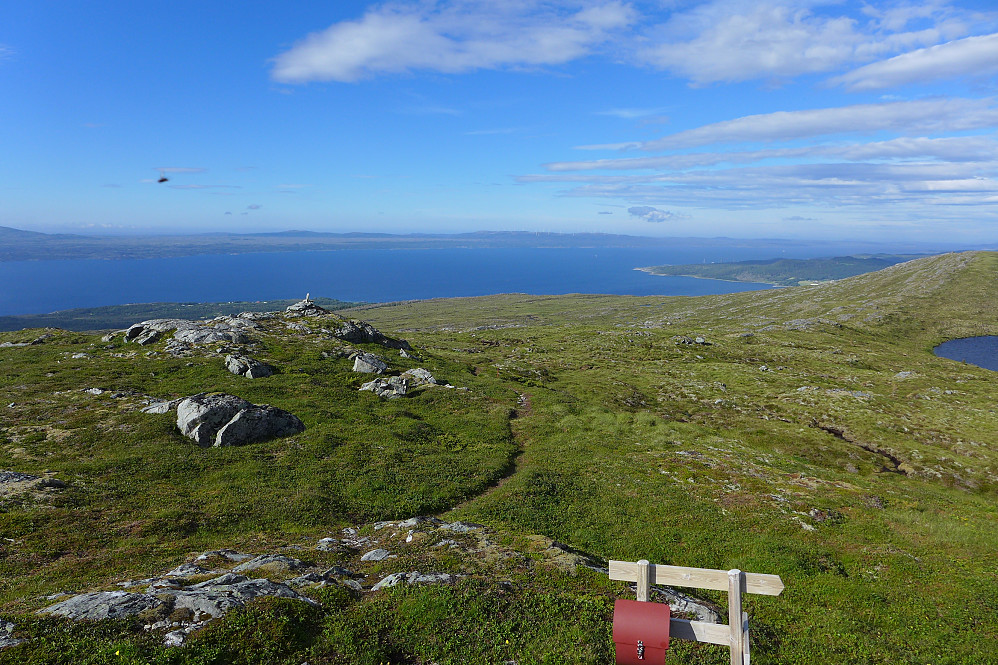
x: 808, y: 432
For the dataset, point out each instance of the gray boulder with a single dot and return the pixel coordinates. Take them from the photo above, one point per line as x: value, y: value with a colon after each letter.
x: 419, y: 377
x: 248, y: 367
x: 361, y: 332
x: 216, y: 419
x: 399, y: 386
x: 369, y: 363
x: 390, y: 388
x: 258, y: 423
x: 7, y: 638
x: 201, y: 416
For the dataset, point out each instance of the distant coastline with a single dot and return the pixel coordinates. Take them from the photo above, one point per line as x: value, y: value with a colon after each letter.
x: 783, y: 272
x: 650, y: 271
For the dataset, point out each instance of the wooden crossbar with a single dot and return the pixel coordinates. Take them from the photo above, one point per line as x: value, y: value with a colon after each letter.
x: 699, y: 578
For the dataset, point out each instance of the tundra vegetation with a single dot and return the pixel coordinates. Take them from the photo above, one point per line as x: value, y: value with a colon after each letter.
x: 808, y: 432
x: 785, y: 272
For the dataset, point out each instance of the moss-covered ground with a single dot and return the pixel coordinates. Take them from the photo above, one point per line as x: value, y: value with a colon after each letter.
x: 809, y: 432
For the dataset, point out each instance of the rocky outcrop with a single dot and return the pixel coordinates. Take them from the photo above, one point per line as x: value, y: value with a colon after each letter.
x: 361, y: 332
x: 188, y: 332
x: 15, y: 482
x: 369, y: 363
x: 216, y: 419
x: 401, y: 385
x: 175, y: 605
x: 271, y: 563
x: 207, y: 600
x: 248, y: 367
x: 414, y: 577
x: 306, y: 308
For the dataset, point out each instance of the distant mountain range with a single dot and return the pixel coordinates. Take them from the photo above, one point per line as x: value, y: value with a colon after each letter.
x: 21, y: 245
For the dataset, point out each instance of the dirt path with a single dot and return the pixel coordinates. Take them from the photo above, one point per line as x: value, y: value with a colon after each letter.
x: 523, y: 409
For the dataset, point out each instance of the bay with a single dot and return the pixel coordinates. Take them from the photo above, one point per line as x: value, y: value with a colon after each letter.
x: 370, y: 275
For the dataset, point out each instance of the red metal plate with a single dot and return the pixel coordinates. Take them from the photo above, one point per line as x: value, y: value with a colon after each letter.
x: 639, y: 622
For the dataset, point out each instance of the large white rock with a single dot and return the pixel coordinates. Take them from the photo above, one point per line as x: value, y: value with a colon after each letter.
x: 216, y: 419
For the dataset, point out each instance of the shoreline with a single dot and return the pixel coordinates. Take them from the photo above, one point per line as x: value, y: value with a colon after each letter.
x: 715, y: 279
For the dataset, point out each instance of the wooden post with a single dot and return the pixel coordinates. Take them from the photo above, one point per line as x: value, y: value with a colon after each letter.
x: 737, y: 628
x: 746, y: 637
x: 643, y: 580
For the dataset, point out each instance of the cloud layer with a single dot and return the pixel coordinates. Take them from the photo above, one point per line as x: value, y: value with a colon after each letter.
x: 709, y: 42
x: 972, y: 56
x: 451, y: 37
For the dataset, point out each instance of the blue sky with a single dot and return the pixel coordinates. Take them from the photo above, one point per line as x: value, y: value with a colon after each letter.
x: 744, y: 118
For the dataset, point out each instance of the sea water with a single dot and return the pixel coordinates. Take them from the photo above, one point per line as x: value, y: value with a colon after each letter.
x: 370, y: 275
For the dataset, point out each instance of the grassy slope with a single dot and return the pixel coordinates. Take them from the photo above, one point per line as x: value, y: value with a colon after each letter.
x: 785, y: 272
x: 857, y: 465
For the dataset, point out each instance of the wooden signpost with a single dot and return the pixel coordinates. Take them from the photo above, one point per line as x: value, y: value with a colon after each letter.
x: 736, y: 633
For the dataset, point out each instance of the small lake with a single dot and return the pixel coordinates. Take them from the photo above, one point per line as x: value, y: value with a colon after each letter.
x: 980, y: 351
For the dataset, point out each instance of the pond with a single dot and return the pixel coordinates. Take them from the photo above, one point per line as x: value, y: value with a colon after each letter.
x: 981, y: 351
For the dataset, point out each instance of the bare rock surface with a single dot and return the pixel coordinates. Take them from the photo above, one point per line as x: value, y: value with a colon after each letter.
x: 14, y: 483
x: 207, y: 600
x: 271, y: 563
x: 186, y: 332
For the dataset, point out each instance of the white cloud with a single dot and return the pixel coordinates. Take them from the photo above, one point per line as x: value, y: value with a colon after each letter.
x: 737, y: 40
x: 180, y: 169
x: 632, y: 113
x: 972, y: 56
x: 963, y: 148
x: 650, y: 214
x: 922, y: 116
x: 741, y: 40
x: 451, y: 36
x: 834, y: 185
